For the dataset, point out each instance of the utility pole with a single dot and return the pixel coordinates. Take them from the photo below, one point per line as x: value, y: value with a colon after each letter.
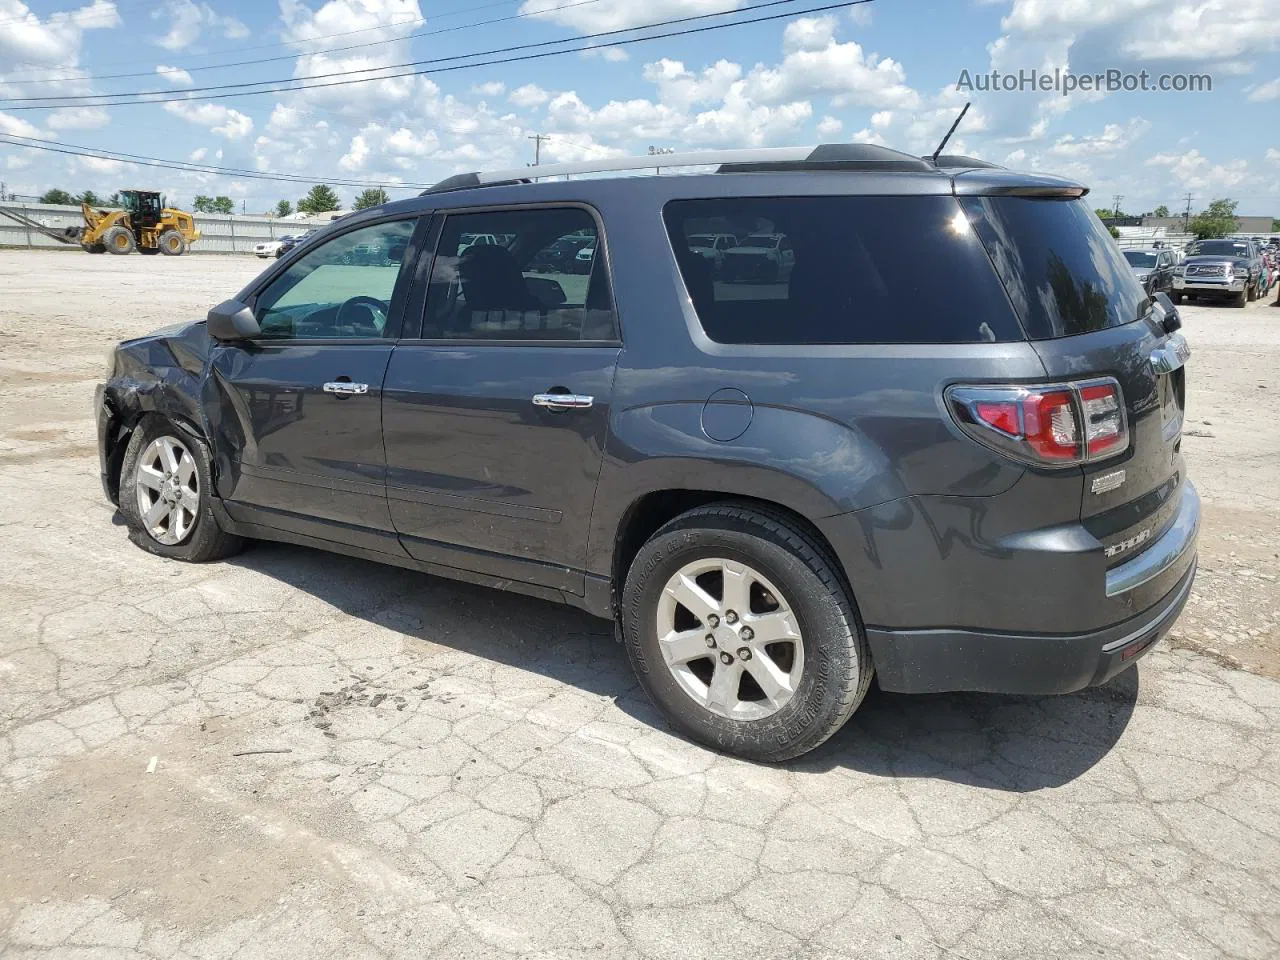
x: 1186, y: 217
x: 537, y: 139
x: 1119, y: 197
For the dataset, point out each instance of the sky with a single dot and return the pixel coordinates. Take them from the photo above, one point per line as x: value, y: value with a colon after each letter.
x: 881, y: 72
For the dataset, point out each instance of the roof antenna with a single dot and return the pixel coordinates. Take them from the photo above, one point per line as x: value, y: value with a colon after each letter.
x: 937, y: 152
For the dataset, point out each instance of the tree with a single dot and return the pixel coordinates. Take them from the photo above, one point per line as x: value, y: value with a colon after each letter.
x: 114, y: 200
x: 90, y: 198
x: 1217, y: 221
x: 320, y: 199
x: 1104, y: 213
x: 1161, y: 211
x: 1275, y: 225
x: 1114, y: 232
x: 284, y: 208
x: 373, y: 197
x: 202, y: 204
x: 224, y: 205
x: 58, y: 196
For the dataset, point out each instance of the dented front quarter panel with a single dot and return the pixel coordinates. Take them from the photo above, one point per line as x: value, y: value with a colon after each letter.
x: 159, y: 373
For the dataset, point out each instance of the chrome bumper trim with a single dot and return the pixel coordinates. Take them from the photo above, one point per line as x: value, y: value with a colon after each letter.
x: 1173, y: 545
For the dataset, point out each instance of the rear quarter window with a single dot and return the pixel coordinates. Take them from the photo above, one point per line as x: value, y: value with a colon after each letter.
x: 838, y: 270
x: 1062, y: 269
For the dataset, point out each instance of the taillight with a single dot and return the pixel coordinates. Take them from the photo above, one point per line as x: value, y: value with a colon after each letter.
x: 1059, y: 425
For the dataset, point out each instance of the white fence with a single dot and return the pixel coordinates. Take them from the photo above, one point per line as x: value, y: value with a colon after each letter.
x: 220, y: 233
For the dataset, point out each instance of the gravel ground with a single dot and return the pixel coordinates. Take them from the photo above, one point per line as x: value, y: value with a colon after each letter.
x: 294, y: 754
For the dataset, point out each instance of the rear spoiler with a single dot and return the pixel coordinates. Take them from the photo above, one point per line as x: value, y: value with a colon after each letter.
x: 1000, y: 183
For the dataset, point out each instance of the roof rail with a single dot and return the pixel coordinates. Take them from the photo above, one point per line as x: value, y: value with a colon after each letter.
x: 828, y: 156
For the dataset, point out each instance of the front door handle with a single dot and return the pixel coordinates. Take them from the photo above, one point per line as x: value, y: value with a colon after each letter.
x: 563, y: 401
x: 345, y: 388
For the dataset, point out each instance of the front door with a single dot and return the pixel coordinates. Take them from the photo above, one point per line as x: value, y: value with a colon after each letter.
x: 296, y: 413
x: 496, y: 416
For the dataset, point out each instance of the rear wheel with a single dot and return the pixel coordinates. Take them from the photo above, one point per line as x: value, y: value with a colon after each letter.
x: 172, y: 244
x: 743, y: 634
x: 165, y: 489
x: 120, y: 241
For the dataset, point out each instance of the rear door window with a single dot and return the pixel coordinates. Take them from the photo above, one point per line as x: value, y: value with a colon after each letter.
x: 838, y: 270
x: 1064, y: 272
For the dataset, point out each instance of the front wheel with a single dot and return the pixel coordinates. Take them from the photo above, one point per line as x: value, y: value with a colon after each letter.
x: 1242, y: 298
x: 742, y: 632
x: 120, y: 241
x: 165, y: 490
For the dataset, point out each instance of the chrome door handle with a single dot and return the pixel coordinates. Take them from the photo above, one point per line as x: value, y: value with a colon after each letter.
x: 562, y: 401
x: 344, y: 388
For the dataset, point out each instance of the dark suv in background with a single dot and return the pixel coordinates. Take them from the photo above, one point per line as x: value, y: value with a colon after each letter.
x: 778, y: 480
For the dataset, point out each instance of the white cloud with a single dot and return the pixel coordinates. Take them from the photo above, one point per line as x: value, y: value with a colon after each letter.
x: 1266, y: 91
x: 354, y: 159
x: 867, y: 135
x: 188, y: 21
x: 882, y: 118
x: 175, y: 75
x: 198, y: 154
x: 680, y: 87
x: 1195, y: 171
x: 602, y: 15
x: 1113, y: 139
x: 1273, y: 155
x: 221, y: 120
x: 530, y: 95
x: 841, y: 70
x: 494, y: 88
x: 100, y: 164
x: 17, y: 127
x: 26, y: 40
x: 78, y: 118
x: 610, y: 54
x: 829, y: 126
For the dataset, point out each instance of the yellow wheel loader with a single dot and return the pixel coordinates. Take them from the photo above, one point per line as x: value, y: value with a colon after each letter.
x: 145, y: 225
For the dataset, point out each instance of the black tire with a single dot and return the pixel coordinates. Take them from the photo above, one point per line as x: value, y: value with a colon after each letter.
x: 206, y: 541
x: 1251, y: 292
x: 148, y: 251
x: 93, y: 247
x: 1178, y: 299
x: 120, y: 241
x: 171, y: 243
x: 837, y: 666
x: 1242, y: 298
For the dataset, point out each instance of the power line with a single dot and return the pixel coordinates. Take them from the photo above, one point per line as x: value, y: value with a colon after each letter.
x: 311, y: 53
x: 166, y: 96
x: 75, y: 150
x: 537, y: 139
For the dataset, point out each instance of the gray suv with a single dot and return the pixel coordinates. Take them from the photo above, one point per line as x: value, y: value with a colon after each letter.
x: 777, y: 484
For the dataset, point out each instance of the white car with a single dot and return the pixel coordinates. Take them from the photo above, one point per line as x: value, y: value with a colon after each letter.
x: 268, y: 248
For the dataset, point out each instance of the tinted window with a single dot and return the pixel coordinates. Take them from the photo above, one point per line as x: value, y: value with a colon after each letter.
x: 839, y: 270
x: 1218, y: 248
x: 1139, y: 258
x: 546, y: 281
x: 341, y: 289
x: 1061, y: 267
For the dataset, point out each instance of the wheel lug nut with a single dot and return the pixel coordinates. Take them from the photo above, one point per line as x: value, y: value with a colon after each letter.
x: 730, y: 617
x: 744, y: 653
x: 711, y: 641
x: 713, y: 621
x: 746, y: 633
x: 726, y: 658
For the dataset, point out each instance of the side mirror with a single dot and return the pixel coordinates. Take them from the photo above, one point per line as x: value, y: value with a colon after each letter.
x: 232, y: 320
x: 1172, y: 319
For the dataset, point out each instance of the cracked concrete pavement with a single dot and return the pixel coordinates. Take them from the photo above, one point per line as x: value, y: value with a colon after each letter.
x: 459, y: 773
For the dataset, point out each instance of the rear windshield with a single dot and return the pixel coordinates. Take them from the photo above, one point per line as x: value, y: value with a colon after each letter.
x: 1061, y: 267
x: 839, y: 270
x: 1138, y: 258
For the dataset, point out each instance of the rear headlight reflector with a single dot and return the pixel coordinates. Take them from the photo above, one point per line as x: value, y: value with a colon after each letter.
x: 1058, y: 425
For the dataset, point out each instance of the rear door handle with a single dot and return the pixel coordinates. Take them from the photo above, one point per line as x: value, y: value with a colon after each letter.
x: 345, y: 388
x: 563, y: 401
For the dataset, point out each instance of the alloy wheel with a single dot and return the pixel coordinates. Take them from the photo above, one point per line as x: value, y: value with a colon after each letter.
x: 168, y: 490
x: 730, y: 639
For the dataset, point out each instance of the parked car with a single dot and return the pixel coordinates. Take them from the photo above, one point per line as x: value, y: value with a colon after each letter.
x: 760, y: 257
x: 288, y: 243
x: 270, y: 248
x: 1220, y: 269
x: 1152, y: 268
x: 774, y: 492
x: 560, y: 256
x: 713, y: 246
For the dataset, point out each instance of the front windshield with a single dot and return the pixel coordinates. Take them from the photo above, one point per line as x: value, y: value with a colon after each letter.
x: 1218, y: 248
x: 1140, y: 258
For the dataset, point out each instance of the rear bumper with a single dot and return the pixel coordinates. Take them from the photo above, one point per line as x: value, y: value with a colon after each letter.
x: 935, y: 661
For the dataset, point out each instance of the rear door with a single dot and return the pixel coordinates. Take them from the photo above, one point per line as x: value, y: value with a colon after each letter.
x: 296, y: 413
x: 1088, y: 317
x: 496, y: 411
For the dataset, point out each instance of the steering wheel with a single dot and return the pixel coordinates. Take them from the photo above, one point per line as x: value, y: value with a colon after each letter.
x: 365, y: 315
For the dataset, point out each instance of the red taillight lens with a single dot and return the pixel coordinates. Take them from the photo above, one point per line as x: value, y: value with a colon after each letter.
x: 1103, y: 417
x: 1060, y: 425
x: 1051, y: 425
